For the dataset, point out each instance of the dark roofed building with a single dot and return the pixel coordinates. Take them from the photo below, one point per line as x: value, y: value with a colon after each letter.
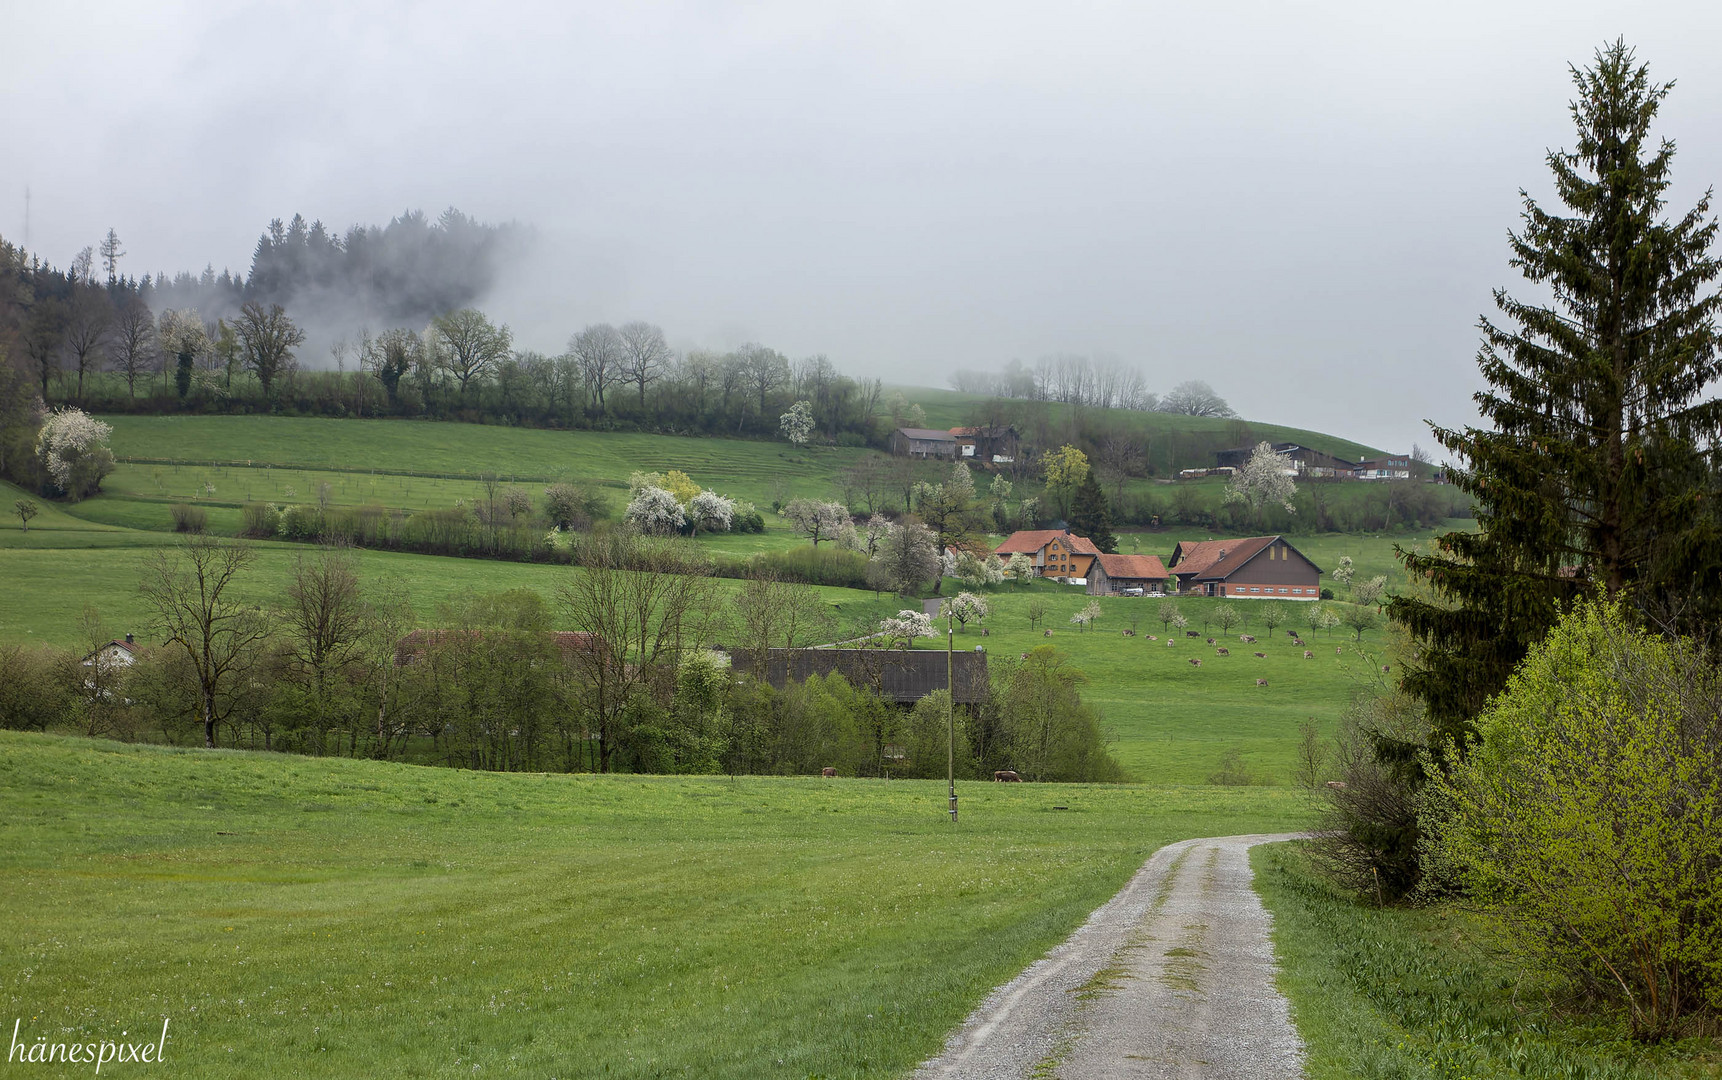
x: 1301, y: 460
x: 901, y: 675
x: 1127, y: 575
x: 923, y: 442
x: 1254, y: 568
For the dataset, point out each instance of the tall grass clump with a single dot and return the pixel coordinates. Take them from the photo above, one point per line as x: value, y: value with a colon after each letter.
x: 188, y: 518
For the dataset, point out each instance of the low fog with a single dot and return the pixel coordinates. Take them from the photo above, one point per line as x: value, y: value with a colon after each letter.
x: 1304, y: 205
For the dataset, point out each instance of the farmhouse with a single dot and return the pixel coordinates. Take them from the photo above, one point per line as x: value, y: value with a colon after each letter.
x: 115, y: 654
x: 901, y: 675
x: 1392, y: 467
x: 1056, y: 553
x: 1127, y: 575
x: 1255, y: 568
x: 993, y: 444
x: 923, y: 443
x: 1299, y: 460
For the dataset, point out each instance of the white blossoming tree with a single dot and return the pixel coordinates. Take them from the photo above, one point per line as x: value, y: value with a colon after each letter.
x: 655, y: 511
x: 966, y: 606
x: 977, y: 572
x: 815, y: 519
x: 797, y: 423
x: 1262, y: 480
x: 905, y: 627
x: 73, y: 447
x: 1086, y: 617
x: 1020, y: 569
x: 710, y: 512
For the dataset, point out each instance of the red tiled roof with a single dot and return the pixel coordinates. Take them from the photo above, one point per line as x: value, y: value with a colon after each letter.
x: 1193, y: 557
x: 1133, y: 566
x: 1032, y: 540
x: 1215, y: 560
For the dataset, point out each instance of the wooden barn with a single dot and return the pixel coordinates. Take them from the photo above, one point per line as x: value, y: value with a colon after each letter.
x: 901, y: 675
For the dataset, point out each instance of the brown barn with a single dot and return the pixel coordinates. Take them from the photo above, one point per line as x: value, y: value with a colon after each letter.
x: 1255, y: 568
x: 901, y: 675
x: 923, y: 443
x: 1127, y: 575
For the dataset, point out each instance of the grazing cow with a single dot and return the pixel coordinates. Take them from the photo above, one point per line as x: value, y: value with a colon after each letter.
x: 985, y: 632
x: 1339, y: 650
x: 1337, y: 785
x: 1247, y: 639
x: 1261, y: 682
x: 1298, y: 642
x: 1025, y: 656
x: 1262, y: 655
x: 1006, y: 776
x: 1221, y: 650
x: 1046, y: 633
x: 1171, y: 642
x: 1192, y: 633
x: 1129, y: 633
x: 1151, y: 637
x: 1195, y: 662
x: 1210, y: 641
x: 1384, y: 669
x: 828, y: 771
x: 1307, y: 655
x: 1291, y: 633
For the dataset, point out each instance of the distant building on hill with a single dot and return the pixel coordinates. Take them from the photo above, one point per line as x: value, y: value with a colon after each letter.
x: 923, y: 443
x: 1300, y: 461
x: 1254, y: 568
x: 1392, y: 467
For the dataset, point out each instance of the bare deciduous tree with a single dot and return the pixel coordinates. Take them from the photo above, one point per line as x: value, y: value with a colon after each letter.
x: 473, y: 343
x: 134, y: 344
x: 600, y: 354
x: 189, y: 591
x: 269, y: 338
x: 644, y: 355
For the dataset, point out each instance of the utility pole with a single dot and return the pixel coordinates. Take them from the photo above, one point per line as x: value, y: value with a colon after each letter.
x: 950, y: 710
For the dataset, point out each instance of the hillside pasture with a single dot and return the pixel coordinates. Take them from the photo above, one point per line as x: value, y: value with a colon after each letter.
x: 330, y: 918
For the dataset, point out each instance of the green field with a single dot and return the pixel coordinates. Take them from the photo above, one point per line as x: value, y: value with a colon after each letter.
x: 328, y: 918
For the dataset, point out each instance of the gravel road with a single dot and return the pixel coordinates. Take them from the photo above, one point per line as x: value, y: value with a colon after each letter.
x: 1173, y: 977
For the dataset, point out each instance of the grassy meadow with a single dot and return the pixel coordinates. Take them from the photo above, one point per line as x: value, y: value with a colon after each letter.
x: 331, y: 918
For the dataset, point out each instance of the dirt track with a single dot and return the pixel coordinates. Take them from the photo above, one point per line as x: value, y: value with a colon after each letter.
x: 1173, y: 977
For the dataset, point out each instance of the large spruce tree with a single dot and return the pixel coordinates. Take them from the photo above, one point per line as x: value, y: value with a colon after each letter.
x: 1091, y: 517
x: 1597, y: 471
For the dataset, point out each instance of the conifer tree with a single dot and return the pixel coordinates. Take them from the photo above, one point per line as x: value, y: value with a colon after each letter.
x: 1091, y: 517
x: 1598, y: 471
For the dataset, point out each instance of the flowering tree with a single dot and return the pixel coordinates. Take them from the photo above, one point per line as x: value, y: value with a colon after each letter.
x: 797, y: 423
x: 655, y: 511
x: 1065, y: 468
x: 710, y: 511
x: 816, y: 520
x: 976, y: 572
x: 73, y: 447
x: 905, y: 558
x: 1085, y: 618
x: 1262, y: 480
x: 965, y: 606
x: 1344, y: 572
x: 905, y: 627
x: 1020, y: 569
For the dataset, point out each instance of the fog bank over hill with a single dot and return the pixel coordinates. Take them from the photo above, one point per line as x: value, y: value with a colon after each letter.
x: 1304, y: 206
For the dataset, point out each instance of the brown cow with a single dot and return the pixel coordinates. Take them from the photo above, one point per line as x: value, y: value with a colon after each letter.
x: 1261, y: 682
x: 1247, y: 639
x: 1005, y: 776
x: 1221, y: 650
x: 1291, y: 633
x: 1339, y: 650
x: 1210, y: 641
x: 1195, y: 662
x: 985, y: 632
x: 1307, y: 655
x: 1129, y: 633
x: 828, y: 771
x: 1384, y: 669
x: 1337, y: 785
x: 1262, y: 655
x: 1192, y: 633
x: 1046, y: 633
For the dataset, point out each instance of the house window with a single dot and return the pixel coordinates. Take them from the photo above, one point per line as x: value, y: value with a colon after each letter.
x: 1254, y: 589
x: 1296, y: 591
x: 1282, y: 589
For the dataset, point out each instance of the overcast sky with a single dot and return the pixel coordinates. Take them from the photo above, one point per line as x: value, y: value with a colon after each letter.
x: 1305, y: 204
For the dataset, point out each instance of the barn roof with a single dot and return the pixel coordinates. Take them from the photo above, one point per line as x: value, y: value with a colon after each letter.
x: 902, y: 675
x: 1030, y: 541
x: 930, y: 434
x: 1133, y: 566
x: 1216, y: 560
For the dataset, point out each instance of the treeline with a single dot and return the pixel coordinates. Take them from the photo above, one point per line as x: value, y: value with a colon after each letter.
x: 1098, y: 383
x: 339, y: 665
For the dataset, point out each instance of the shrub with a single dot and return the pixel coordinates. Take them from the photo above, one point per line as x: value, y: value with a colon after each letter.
x: 35, y: 687
x: 261, y: 520
x: 189, y: 519
x: 1369, y: 833
x: 1588, y: 815
x: 301, y: 523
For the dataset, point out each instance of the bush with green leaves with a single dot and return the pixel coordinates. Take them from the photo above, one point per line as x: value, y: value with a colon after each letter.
x: 1588, y: 815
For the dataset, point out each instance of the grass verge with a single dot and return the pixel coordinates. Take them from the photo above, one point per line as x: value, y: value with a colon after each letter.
x: 1414, y: 993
